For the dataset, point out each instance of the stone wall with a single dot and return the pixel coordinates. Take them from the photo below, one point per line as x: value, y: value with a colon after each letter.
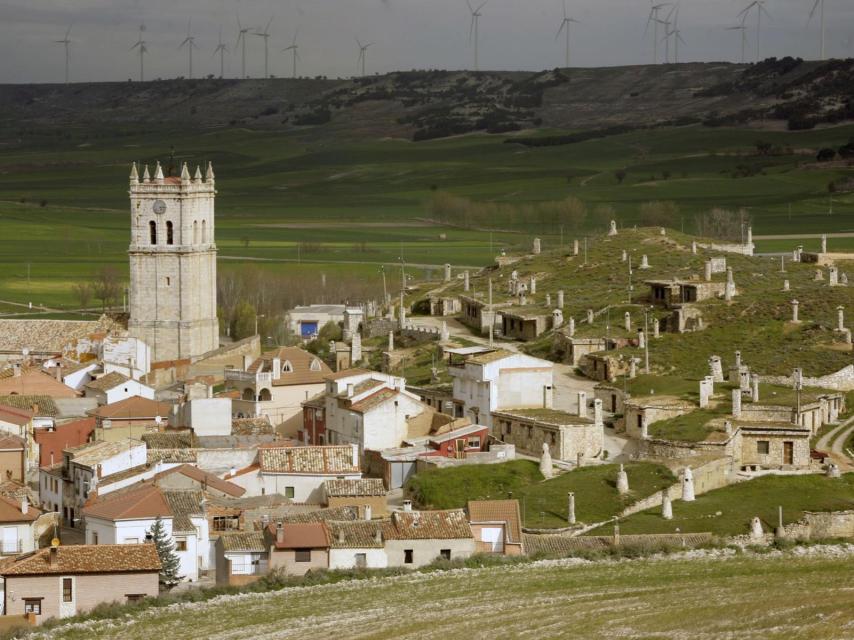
x: 842, y: 380
x: 708, y: 476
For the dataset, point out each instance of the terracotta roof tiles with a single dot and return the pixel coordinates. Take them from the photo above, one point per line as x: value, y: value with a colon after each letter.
x: 494, y: 511
x: 107, y: 382
x: 363, y: 487
x: 427, y: 525
x: 75, y: 559
x: 330, y: 459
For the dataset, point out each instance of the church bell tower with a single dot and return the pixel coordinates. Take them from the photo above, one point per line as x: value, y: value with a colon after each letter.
x: 173, y: 263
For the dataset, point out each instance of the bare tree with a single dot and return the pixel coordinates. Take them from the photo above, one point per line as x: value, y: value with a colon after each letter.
x: 84, y: 292
x: 108, y: 286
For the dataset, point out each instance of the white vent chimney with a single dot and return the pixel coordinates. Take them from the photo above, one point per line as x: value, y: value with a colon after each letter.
x: 350, y: 391
x: 407, y: 506
x: 355, y: 448
x: 25, y: 505
x: 368, y: 512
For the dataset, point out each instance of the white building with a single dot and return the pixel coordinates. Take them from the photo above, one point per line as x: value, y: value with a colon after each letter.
x: 307, y: 321
x: 498, y: 379
x: 115, y: 387
x: 126, y: 517
x: 356, y: 544
x: 276, y: 384
x: 83, y: 466
x: 72, y: 374
x: 372, y: 410
x: 298, y: 473
x: 17, y: 526
x: 126, y: 355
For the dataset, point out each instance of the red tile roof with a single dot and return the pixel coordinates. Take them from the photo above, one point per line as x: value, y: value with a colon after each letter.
x: 75, y: 559
x: 133, y: 408
x: 14, y: 415
x: 309, y: 535
x: 10, y: 511
x: 145, y: 501
x: 495, y: 511
x: 70, y: 434
x: 328, y: 459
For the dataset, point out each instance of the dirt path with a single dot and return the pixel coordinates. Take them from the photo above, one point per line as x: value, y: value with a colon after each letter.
x: 799, y: 236
x: 833, y: 442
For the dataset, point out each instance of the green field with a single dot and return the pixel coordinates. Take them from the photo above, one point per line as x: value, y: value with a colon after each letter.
x: 543, y: 503
x: 63, y: 198
x: 783, y: 596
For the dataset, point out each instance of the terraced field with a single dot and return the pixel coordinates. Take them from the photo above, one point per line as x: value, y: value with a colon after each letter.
x: 778, y: 595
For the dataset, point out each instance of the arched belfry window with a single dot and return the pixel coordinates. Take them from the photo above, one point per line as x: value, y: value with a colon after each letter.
x: 195, y: 232
x: 152, y: 228
x: 204, y: 231
x: 170, y: 237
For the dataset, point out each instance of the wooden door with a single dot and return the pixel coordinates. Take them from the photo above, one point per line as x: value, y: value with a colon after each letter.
x: 788, y: 452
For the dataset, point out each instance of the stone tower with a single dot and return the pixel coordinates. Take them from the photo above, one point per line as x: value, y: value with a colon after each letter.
x: 173, y: 263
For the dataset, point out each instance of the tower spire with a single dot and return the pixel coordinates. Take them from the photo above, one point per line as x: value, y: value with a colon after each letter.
x: 134, y: 174
x: 197, y: 177
x: 158, y: 173
x: 185, y: 173
x: 209, y: 174
x: 146, y: 177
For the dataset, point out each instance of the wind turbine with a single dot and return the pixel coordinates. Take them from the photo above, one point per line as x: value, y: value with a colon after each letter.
x: 760, y: 9
x: 66, y: 41
x: 221, y: 49
x: 819, y: 4
x: 363, y: 48
x: 140, y: 44
x: 293, y: 48
x: 667, y: 33
x: 743, y: 28
x: 677, y: 36
x: 655, y: 21
x: 266, y: 35
x: 190, y: 42
x: 241, y: 39
x: 564, y: 26
x: 475, y: 21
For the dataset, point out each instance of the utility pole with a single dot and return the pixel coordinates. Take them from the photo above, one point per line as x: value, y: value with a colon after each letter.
x: 646, y: 339
x: 385, y: 289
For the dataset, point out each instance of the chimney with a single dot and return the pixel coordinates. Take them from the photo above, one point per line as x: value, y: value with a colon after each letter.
x: 232, y: 471
x: 25, y: 505
x: 16, y: 369
x: 340, y: 536
x: 378, y: 536
x: 247, y: 362
x: 98, y: 469
x: 368, y: 512
x: 349, y: 390
x: 280, y: 533
x: 407, y: 506
x: 53, y: 556
x: 277, y: 368
x: 548, y: 397
x: 35, y: 408
x: 355, y: 448
x: 58, y: 370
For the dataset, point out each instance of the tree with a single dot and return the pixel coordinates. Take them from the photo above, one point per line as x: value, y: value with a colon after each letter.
x: 620, y: 175
x: 243, y: 323
x: 658, y: 214
x: 107, y: 285
x: 83, y: 291
x: 169, y: 562
x: 825, y: 155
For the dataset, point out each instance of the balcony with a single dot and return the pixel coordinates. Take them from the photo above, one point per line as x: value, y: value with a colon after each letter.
x: 247, y: 377
x: 11, y: 547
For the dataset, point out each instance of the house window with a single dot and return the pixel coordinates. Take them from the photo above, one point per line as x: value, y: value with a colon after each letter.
x: 302, y: 555
x: 94, y: 537
x: 180, y: 544
x: 170, y: 234
x: 361, y: 560
x: 287, y: 367
x: 134, y: 597
x: 168, y: 281
x: 152, y: 231
x: 763, y: 447
x: 315, y: 365
x: 226, y: 523
x: 474, y: 442
x: 33, y: 605
x: 131, y: 541
x: 407, y: 556
x: 67, y: 590
x: 554, y: 438
x: 289, y: 492
x: 445, y: 554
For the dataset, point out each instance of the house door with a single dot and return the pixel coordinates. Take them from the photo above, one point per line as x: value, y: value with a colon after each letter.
x: 10, y: 540
x: 460, y: 448
x: 68, y: 597
x: 788, y: 452
x: 613, y: 403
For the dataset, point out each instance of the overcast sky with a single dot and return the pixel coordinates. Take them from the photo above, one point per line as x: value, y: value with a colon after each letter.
x: 514, y: 34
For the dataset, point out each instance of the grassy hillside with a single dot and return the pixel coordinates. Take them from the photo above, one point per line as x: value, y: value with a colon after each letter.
x: 728, y: 511
x: 777, y: 596
x: 543, y: 503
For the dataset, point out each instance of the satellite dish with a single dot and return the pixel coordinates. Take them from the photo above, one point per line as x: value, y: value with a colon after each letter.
x: 158, y: 420
x: 54, y: 542
x: 25, y: 351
